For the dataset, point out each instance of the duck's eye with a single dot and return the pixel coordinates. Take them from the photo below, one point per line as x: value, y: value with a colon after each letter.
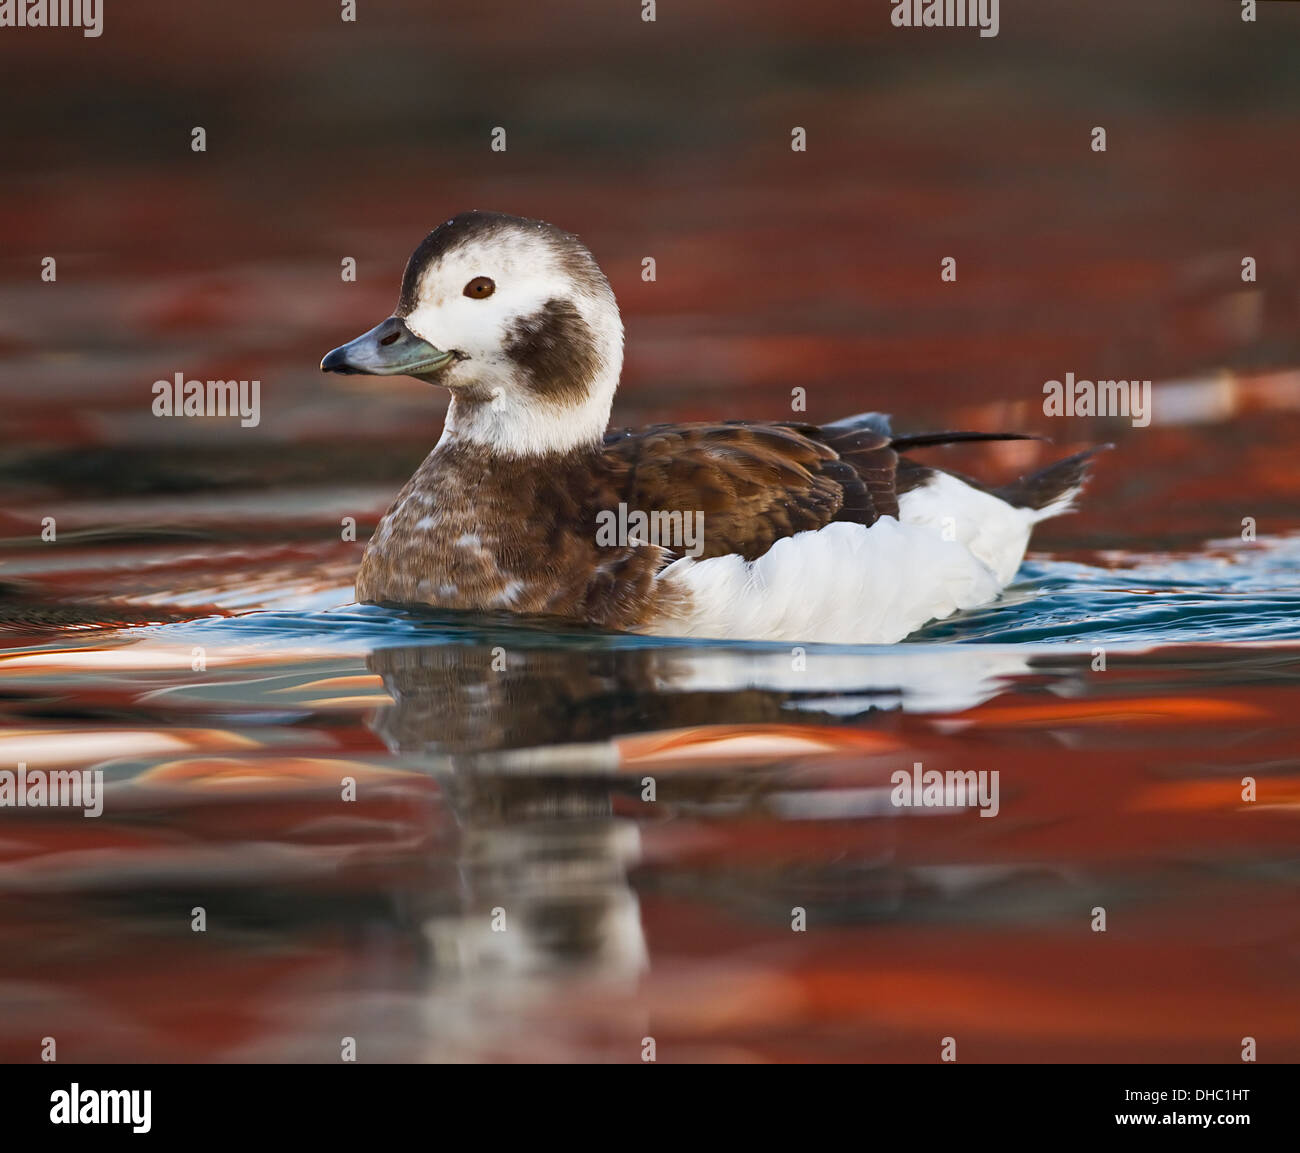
x: 480, y: 288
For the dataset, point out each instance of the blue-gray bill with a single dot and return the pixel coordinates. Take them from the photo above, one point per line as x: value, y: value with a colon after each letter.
x: 388, y: 349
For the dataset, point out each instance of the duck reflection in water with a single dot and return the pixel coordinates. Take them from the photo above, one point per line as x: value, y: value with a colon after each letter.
x: 552, y: 757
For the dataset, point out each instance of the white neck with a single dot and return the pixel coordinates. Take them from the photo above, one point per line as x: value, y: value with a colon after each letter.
x: 504, y: 425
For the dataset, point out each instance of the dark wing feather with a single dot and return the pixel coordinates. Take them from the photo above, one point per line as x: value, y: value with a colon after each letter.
x: 869, y: 453
x: 754, y: 483
x: 757, y: 483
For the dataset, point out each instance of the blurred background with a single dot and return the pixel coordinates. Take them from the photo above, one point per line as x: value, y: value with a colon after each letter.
x: 668, y: 139
x: 774, y: 269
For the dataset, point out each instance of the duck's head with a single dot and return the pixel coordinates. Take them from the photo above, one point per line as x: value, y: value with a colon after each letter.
x: 517, y: 320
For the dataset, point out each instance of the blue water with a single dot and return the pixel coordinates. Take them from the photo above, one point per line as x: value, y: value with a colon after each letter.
x: 1246, y: 593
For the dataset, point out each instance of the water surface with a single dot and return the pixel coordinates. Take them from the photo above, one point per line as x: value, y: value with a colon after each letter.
x: 357, y: 798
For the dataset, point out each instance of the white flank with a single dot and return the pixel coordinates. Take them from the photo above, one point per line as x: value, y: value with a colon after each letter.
x: 848, y: 584
x: 843, y: 584
x: 994, y: 531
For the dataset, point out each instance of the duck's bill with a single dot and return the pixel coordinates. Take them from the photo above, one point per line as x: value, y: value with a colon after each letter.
x: 388, y: 349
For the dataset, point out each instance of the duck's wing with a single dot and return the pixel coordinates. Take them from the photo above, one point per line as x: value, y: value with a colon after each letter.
x: 756, y: 483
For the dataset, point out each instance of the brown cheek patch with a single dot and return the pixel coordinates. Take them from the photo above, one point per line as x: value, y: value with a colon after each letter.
x: 556, y: 351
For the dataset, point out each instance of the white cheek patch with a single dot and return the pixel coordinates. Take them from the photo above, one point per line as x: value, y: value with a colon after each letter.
x: 448, y: 319
x: 473, y: 327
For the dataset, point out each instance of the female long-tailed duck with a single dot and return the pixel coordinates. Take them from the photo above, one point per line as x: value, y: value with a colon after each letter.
x: 766, y: 531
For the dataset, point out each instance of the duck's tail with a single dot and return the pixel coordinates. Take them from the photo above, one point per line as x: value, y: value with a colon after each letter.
x: 1048, y: 492
x: 1051, y: 491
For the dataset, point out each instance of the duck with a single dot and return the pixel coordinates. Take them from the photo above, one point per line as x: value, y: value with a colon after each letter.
x: 530, y: 504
